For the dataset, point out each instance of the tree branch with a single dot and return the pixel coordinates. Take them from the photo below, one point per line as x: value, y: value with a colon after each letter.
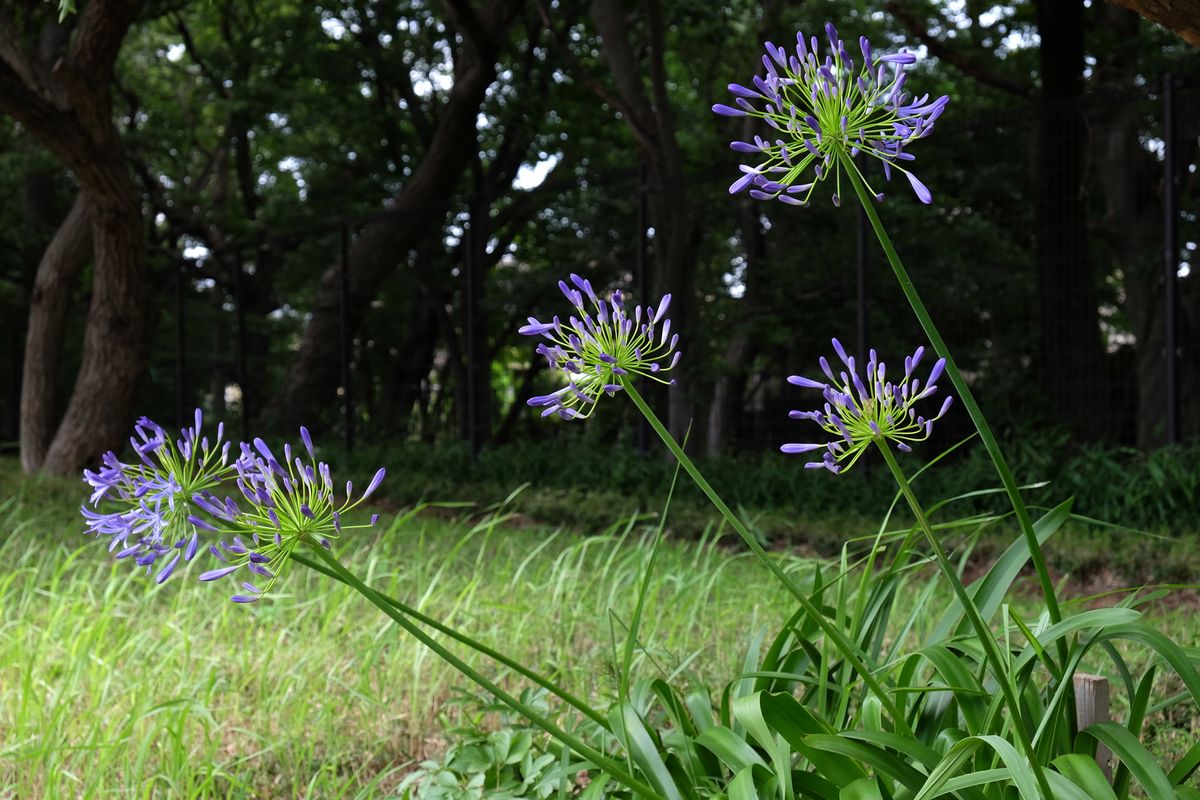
x: 1180, y: 16
x: 964, y: 63
x: 614, y: 101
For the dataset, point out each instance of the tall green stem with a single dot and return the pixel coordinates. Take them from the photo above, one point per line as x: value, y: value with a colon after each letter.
x: 965, y: 395
x: 835, y: 635
x: 479, y: 647
x: 600, y: 759
x: 982, y: 632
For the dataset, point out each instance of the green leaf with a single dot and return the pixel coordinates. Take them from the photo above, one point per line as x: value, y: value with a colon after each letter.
x: 730, y: 748
x: 645, y: 753
x: 989, y: 591
x: 785, y: 716
x: 1085, y: 773
x: 879, y: 759
x: 862, y: 789
x: 900, y: 743
x: 956, y: 674
x: 742, y: 786
x: 1141, y: 764
x: 1017, y: 767
x: 1186, y: 766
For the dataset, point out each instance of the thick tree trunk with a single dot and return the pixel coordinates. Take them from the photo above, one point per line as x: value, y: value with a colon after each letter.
x: 115, y: 343
x: 63, y: 97
x: 651, y: 120
x: 725, y: 412
x: 57, y: 273
x: 410, y: 366
x: 1132, y: 226
x: 413, y: 214
x: 1072, y: 351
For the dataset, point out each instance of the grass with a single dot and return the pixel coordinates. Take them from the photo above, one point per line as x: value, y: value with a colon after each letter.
x: 113, y: 687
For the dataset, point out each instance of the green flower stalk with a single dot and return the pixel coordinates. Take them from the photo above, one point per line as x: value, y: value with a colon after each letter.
x: 795, y: 98
x: 609, y: 352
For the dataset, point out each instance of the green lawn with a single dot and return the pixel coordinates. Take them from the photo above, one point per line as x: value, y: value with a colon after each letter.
x: 113, y: 687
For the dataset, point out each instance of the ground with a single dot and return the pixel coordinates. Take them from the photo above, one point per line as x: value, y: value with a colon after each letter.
x: 115, y: 686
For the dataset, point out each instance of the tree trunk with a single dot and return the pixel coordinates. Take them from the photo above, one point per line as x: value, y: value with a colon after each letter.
x: 115, y: 343
x: 56, y: 275
x: 726, y: 409
x: 652, y: 123
x: 1072, y: 351
x: 413, y: 214
x: 63, y: 97
x: 477, y: 414
x: 410, y: 367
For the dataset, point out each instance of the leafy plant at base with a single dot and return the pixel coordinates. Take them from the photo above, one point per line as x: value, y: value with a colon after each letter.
x: 511, y: 762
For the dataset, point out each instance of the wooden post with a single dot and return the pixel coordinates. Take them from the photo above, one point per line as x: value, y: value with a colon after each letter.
x: 1091, y: 706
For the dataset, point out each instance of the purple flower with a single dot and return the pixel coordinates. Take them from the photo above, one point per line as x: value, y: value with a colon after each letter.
x: 859, y: 412
x: 144, y: 508
x: 601, y: 348
x: 282, y: 506
x: 823, y: 113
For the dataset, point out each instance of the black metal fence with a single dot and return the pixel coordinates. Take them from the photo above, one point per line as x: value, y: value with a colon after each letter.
x: 210, y: 354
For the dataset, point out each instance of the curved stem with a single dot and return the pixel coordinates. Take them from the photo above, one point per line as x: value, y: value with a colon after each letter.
x: 835, y: 635
x: 609, y: 765
x: 967, y: 398
x: 982, y: 632
x: 462, y: 638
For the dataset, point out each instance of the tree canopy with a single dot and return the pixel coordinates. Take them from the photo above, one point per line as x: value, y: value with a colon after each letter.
x: 277, y: 209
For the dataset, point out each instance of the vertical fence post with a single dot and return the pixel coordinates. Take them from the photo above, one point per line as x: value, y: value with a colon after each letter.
x: 1091, y: 706
x: 1170, y: 260
x: 471, y: 248
x: 180, y: 348
x: 643, y: 280
x: 240, y: 306
x: 344, y: 337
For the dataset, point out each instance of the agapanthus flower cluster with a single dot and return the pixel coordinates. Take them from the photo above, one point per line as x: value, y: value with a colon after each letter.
x: 859, y: 413
x: 824, y: 113
x: 144, y: 508
x: 283, y: 505
x: 162, y: 508
x: 598, y: 350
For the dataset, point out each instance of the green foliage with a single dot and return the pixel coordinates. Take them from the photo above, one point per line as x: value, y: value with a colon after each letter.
x: 511, y: 762
x: 1148, y: 492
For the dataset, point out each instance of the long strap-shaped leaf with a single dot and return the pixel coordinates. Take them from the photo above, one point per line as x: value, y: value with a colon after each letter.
x: 1141, y: 764
x: 1016, y: 768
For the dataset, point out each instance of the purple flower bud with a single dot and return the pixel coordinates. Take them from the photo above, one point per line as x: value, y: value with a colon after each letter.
x: 214, y: 574
x: 921, y: 190
x: 168, y: 569
x: 375, y: 481
x: 727, y: 111
x: 202, y: 524
x: 800, y: 380
x: 935, y: 373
